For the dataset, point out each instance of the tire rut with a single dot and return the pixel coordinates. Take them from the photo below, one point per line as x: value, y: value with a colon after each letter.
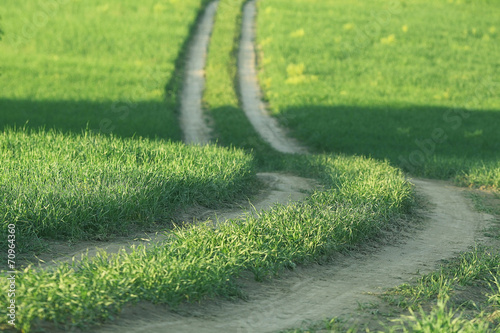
x: 255, y: 110
x: 191, y: 120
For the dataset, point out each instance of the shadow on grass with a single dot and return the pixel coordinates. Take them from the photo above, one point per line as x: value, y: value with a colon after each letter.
x: 232, y: 128
x: 125, y: 119
x: 431, y: 141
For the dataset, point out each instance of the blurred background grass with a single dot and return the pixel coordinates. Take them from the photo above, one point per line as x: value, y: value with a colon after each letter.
x: 385, y: 79
x: 70, y: 64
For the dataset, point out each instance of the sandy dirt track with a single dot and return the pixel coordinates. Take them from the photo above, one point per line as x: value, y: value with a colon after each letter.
x: 267, y: 127
x: 277, y: 188
x: 191, y: 117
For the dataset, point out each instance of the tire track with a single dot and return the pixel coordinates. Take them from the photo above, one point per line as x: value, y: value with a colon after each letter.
x: 254, y: 108
x: 191, y: 119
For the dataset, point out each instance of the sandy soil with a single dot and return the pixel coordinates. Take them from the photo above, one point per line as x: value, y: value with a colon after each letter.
x: 267, y: 127
x: 191, y: 117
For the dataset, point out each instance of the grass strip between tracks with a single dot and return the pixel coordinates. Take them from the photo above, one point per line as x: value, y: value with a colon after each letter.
x: 231, y: 126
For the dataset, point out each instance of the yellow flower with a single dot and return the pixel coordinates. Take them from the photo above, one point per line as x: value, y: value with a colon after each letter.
x: 103, y: 8
x: 444, y: 95
x: 156, y: 93
x: 388, y: 40
x: 348, y: 26
x: 404, y: 28
x: 295, y: 70
x: 296, y: 74
x: 266, y: 41
x: 297, y: 33
x: 267, y: 83
x: 266, y: 60
x: 158, y: 8
x: 295, y: 79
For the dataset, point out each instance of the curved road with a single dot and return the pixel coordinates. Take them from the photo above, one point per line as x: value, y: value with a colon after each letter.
x: 314, y: 292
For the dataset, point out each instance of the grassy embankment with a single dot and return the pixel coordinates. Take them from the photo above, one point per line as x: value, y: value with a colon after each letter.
x: 73, y: 187
x: 415, y: 82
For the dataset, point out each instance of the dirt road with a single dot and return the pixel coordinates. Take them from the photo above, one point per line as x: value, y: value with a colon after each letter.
x: 318, y: 292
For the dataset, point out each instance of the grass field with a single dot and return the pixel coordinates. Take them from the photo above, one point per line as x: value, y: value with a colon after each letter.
x: 93, y: 69
x: 471, y: 269
x: 110, y: 181
x: 70, y: 65
x: 415, y: 82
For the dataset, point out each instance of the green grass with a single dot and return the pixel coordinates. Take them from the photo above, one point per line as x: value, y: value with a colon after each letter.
x: 142, y: 180
x: 477, y: 272
x: 440, y: 319
x: 411, y: 81
x: 470, y: 268
x: 88, y: 70
x: 362, y: 197
x: 68, y: 186
x: 70, y: 65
